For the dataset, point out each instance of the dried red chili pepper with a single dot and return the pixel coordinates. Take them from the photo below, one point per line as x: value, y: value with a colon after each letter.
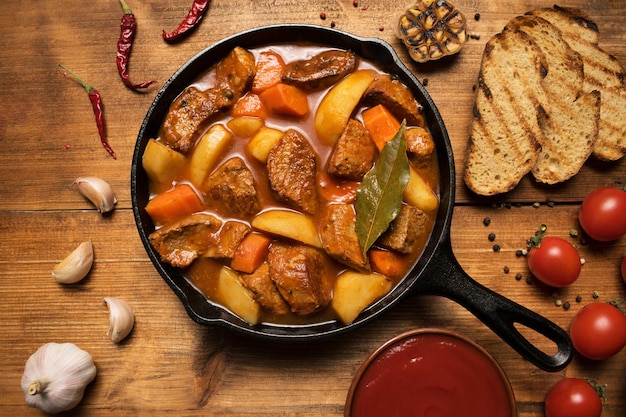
x: 195, y: 15
x: 128, y: 26
x: 96, y: 104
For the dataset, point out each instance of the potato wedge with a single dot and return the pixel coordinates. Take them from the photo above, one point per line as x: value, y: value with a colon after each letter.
x: 207, y: 152
x: 338, y: 104
x: 355, y: 291
x: 418, y: 194
x: 289, y: 224
x: 161, y: 162
x: 236, y: 297
x: 261, y: 143
x: 244, y: 126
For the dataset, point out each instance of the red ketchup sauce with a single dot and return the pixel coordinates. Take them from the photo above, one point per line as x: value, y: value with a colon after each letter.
x: 432, y: 375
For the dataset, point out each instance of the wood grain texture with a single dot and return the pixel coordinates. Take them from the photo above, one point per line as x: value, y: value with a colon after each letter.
x: 170, y: 365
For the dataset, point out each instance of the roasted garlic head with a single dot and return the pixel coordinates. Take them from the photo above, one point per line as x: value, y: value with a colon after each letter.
x: 431, y: 29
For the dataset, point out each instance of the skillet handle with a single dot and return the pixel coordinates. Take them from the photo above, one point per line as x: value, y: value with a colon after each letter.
x: 444, y: 276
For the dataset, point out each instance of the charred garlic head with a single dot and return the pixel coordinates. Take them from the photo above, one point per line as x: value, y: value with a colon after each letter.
x: 431, y: 29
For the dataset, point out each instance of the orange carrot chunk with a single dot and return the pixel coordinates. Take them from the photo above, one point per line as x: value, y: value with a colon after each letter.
x: 381, y: 124
x: 249, y: 105
x: 285, y: 99
x: 388, y: 263
x: 269, y: 71
x: 251, y: 253
x: 179, y: 202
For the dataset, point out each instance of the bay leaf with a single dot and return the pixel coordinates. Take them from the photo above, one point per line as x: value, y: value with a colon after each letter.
x: 379, y: 197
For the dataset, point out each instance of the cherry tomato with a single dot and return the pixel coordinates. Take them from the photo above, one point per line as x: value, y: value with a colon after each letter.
x: 554, y: 262
x: 602, y: 215
x: 573, y: 397
x: 598, y: 331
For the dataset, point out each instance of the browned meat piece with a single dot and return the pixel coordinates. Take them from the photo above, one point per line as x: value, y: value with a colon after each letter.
x: 233, y: 75
x: 228, y: 239
x: 419, y: 144
x: 231, y: 187
x: 320, y: 71
x: 264, y: 290
x: 291, y: 167
x: 180, y: 243
x: 298, y: 272
x: 187, y: 114
x: 353, y: 154
x: 397, y: 98
x: 193, y: 108
x: 339, y: 236
x: 404, y: 229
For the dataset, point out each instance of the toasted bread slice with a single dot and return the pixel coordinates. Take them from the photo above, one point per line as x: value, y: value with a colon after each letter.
x: 504, y: 134
x: 602, y: 72
x: 612, y: 116
x: 571, y: 128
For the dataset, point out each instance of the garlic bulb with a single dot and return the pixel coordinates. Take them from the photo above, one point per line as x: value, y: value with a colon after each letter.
x: 98, y: 191
x: 121, y: 319
x: 55, y: 377
x: 76, y: 265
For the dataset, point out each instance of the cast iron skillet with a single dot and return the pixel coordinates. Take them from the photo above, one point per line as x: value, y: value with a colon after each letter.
x: 436, y: 272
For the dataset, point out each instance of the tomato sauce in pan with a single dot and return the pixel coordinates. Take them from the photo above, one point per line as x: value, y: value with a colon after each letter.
x: 432, y: 375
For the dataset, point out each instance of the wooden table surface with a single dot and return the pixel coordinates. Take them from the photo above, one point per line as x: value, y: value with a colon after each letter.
x: 170, y: 365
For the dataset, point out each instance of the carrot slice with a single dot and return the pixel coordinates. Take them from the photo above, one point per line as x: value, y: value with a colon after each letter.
x: 249, y: 105
x: 388, y: 263
x: 250, y: 253
x: 285, y: 99
x: 381, y: 124
x: 172, y: 205
x: 269, y: 71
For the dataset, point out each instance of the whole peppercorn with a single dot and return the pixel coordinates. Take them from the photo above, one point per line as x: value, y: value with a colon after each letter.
x: 491, y: 237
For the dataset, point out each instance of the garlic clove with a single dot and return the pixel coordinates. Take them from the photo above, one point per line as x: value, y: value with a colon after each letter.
x: 76, y: 265
x: 121, y: 319
x: 55, y: 377
x: 98, y: 191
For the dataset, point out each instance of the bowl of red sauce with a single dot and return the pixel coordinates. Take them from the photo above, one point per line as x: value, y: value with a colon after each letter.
x: 430, y: 373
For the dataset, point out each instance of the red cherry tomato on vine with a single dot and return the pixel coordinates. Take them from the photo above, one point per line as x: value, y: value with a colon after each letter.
x: 598, y: 331
x: 554, y: 262
x: 602, y: 214
x: 573, y: 397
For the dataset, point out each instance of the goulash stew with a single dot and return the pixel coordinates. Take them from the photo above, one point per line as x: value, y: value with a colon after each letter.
x: 293, y: 184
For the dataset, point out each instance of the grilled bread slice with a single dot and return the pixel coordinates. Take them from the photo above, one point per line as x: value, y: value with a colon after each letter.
x: 602, y: 72
x: 571, y: 128
x: 503, y: 144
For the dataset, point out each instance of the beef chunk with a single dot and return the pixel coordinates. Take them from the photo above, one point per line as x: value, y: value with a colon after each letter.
x: 320, y: 71
x: 404, y: 229
x: 180, y: 243
x: 419, y: 144
x: 232, y: 188
x: 396, y: 97
x: 193, y: 108
x: 228, y: 239
x: 339, y: 237
x: 187, y: 114
x: 264, y: 290
x: 291, y: 168
x: 354, y: 153
x: 298, y: 272
x: 233, y: 75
